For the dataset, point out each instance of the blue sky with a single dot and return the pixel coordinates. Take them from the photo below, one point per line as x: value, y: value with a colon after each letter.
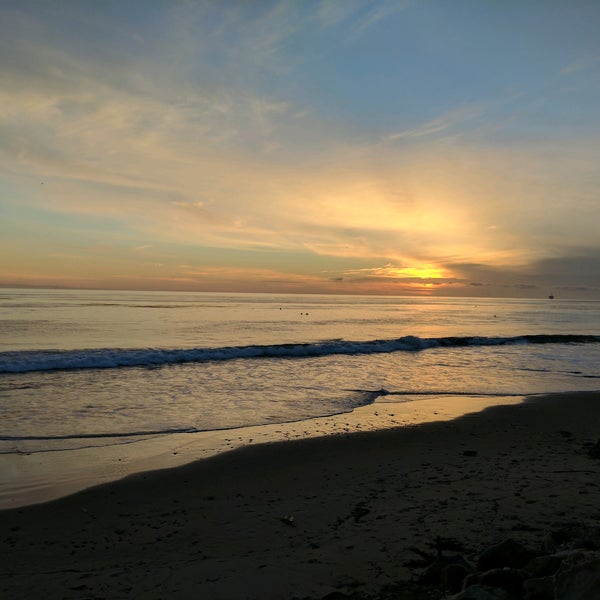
x: 408, y: 147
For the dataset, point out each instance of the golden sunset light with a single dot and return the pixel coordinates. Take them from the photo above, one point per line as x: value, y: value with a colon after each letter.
x: 304, y: 139
x: 424, y: 272
x: 299, y: 299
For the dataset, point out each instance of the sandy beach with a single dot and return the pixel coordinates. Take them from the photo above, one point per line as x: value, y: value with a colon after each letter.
x: 303, y: 519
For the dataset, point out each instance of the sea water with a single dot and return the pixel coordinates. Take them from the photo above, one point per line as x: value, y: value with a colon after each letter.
x: 95, y: 368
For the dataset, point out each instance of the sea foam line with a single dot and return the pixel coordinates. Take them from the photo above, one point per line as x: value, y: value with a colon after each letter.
x: 85, y: 436
x: 108, y: 358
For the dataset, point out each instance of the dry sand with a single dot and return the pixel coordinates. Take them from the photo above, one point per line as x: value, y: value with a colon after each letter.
x: 302, y: 519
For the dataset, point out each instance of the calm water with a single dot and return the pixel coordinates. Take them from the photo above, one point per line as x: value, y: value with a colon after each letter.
x: 81, y: 368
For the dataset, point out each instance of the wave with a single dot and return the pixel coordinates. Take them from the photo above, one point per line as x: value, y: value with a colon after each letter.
x: 109, y: 358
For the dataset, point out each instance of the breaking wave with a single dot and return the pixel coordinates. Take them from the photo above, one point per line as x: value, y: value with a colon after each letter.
x: 110, y: 358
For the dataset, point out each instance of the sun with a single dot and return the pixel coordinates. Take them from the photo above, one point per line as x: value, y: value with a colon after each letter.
x: 420, y: 272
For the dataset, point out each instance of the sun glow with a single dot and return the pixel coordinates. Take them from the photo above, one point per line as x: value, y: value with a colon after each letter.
x: 422, y: 272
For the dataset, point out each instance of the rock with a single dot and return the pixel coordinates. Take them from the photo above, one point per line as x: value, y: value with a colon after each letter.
x: 572, y: 556
x: 539, y: 588
x: 434, y: 574
x: 541, y: 566
x: 507, y: 553
x: 578, y: 577
x: 508, y: 579
x: 578, y: 557
x: 453, y: 575
x: 483, y: 592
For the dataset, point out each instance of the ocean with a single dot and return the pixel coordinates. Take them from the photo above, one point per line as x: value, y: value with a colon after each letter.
x: 99, y: 368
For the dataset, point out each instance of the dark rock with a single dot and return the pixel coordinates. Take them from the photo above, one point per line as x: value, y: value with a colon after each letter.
x: 483, y: 592
x: 507, y: 553
x: 510, y: 580
x: 572, y: 557
x: 434, y: 573
x: 539, y: 588
x: 403, y: 590
x: 578, y: 577
x: 453, y: 575
x: 542, y: 566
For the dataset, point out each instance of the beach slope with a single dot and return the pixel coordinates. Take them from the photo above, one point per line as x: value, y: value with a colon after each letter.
x: 302, y: 519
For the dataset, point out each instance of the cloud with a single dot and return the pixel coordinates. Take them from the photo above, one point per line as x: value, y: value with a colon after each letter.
x: 575, y: 272
x: 444, y: 123
x: 101, y: 150
x: 196, y: 130
x: 374, y: 14
x: 331, y: 13
x: 586, y: 63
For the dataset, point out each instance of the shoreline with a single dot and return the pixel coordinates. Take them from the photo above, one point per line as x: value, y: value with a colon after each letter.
x: 309, y: 517
x: 37, y: 477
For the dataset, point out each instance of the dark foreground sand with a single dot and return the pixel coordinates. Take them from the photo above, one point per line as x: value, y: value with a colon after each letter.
x: 305, y: 518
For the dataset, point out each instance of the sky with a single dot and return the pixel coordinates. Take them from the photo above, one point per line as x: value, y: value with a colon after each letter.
x: 407, y: 147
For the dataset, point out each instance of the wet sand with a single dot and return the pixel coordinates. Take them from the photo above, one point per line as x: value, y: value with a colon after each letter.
x: 29, y: 477
x: 304, y: 518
